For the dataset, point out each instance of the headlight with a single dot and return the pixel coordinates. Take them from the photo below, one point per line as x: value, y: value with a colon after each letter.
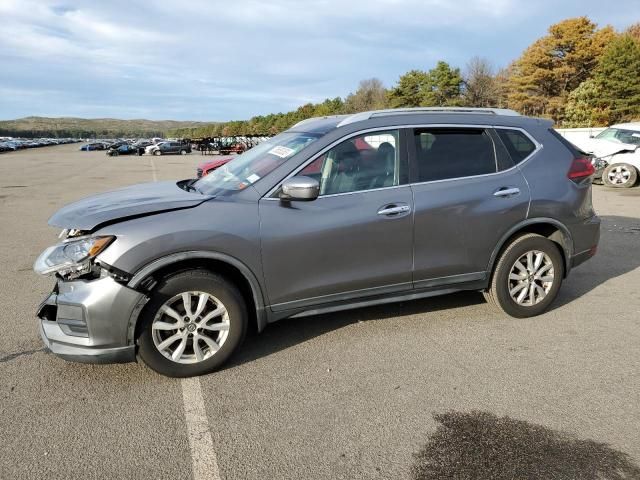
x: 72, y: 256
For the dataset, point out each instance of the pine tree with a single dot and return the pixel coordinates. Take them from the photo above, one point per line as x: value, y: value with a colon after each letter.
x: 618, y: 77
x: 443, y: 87
x: 556, y: 64
x: 410, y: 89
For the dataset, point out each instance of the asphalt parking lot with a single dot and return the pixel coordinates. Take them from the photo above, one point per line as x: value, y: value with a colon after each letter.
x: 347, y: 395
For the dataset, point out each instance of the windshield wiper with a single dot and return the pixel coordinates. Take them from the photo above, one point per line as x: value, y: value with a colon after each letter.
x: 188, y: 186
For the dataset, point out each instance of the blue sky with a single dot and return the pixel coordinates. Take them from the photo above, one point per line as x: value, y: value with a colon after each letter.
x: 225, y: 60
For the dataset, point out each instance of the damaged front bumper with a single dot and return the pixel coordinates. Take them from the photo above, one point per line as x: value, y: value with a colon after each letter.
x: 91, y: 321
x: 599, y: 165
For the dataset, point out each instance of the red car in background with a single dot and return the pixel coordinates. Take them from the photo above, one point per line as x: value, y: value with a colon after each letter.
x: 209, y: 166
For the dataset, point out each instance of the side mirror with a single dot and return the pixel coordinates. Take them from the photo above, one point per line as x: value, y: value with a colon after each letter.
x: 300, y: 188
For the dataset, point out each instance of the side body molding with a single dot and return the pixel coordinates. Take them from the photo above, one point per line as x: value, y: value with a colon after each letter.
x: 567, y: 243
x: 159, y: 263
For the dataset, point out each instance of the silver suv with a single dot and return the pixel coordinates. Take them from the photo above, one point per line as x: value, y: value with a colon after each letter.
x: 335, y: 213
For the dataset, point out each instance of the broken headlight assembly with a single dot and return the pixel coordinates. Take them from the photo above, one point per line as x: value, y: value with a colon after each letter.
x: 73, y: 257
x: 599, y: 163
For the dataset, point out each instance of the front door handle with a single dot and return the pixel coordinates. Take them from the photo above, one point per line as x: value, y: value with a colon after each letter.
x: 394, y: 209
x: 506, y: 192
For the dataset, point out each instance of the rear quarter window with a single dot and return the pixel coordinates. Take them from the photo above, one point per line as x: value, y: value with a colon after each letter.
x: 517, y: 143
x: 575, y: 151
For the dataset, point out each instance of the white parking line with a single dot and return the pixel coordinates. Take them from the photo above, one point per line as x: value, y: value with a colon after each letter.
x: 203, y: 457
x: 154, y: 172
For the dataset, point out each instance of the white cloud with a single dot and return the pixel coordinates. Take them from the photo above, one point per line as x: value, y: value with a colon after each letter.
x: 221, y: 59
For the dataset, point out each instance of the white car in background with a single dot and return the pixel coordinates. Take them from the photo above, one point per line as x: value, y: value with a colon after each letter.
x: 616, y: 152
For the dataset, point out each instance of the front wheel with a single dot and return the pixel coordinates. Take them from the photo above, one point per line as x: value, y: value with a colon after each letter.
x: 157, y: 153
x: 527, y: 277
x: 183, y: 152
x: 620, y: 175
x: 193, y: 323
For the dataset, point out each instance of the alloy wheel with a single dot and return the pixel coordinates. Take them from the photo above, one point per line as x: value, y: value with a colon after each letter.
x: 190, y: 327
x: 531, y: 278
x: 619, y: 175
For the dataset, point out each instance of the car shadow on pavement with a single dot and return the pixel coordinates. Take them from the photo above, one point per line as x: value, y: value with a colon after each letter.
x: 289, y: 332
x: 618, y: 254
x: 482, y: 445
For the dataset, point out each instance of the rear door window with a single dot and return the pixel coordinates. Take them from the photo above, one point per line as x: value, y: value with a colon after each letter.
x: 517, y: 143
x: 445, y: 153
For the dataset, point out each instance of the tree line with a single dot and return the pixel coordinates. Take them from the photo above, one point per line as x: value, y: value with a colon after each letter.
x: 54, y: 132
x: 578, y: 75
x: 38, y: 127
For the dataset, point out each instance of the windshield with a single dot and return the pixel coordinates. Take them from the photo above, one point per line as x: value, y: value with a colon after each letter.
x: 620, y: 135
x: 251, y: 166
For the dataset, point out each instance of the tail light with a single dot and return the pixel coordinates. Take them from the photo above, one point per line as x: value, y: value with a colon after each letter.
x: 580, y: 169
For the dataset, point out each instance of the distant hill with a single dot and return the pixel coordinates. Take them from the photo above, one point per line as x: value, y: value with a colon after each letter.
x: 36, y: 127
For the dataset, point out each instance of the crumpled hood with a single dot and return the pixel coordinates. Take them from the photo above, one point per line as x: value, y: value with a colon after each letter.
x: 136, y: 200
x: 604, y: 148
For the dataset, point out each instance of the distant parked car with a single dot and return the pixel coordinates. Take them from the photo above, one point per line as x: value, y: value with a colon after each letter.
x: 8, y: 147
x: 236, y: 148
x: 167, y: 148
x: 616, y: 153
x: 122, y: 149
x: 209, y: 166
x: 93, y: 146
x: 142, y: 144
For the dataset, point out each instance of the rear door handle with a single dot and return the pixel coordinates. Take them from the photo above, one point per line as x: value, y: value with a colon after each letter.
x: 506, y: 192
x: 394, y: 209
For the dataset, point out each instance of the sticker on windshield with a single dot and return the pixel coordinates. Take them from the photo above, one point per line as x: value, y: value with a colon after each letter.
x: 253, y: 178
x: 282, y: 152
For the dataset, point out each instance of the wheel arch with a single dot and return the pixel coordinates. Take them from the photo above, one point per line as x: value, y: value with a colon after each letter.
x: 550, y: 228
x: 225, y: 265
x: 632, y: 159
x: 628, y: 160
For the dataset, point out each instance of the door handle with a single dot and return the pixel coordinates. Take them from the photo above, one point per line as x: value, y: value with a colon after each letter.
x: 506, y: 192
x: 394, y: 209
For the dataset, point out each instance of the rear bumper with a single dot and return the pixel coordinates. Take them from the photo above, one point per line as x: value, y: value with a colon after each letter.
x: 582, y: 257
x: 90, y: 321
x: 586, y: 236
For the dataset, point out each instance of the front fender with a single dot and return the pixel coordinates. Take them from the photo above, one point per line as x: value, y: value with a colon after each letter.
x: 174, y: 258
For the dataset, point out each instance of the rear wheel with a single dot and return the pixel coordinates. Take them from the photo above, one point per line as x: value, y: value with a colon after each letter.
x: 193, y: 323
x: 620, y: 175
x: 527, y: 277
x: 183, y: 152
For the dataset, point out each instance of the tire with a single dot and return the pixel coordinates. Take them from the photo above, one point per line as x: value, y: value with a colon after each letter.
x: 158, y: 327
x: 157, y: 153
x: 498, y: 295
x: 183, y: 152
x: 620, y: 175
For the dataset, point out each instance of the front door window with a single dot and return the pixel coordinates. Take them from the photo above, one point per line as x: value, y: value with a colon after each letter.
x: 365, y: 162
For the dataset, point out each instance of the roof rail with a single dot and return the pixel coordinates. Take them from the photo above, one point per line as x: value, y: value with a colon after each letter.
x: 313, y: 119
x: 359, y: 117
